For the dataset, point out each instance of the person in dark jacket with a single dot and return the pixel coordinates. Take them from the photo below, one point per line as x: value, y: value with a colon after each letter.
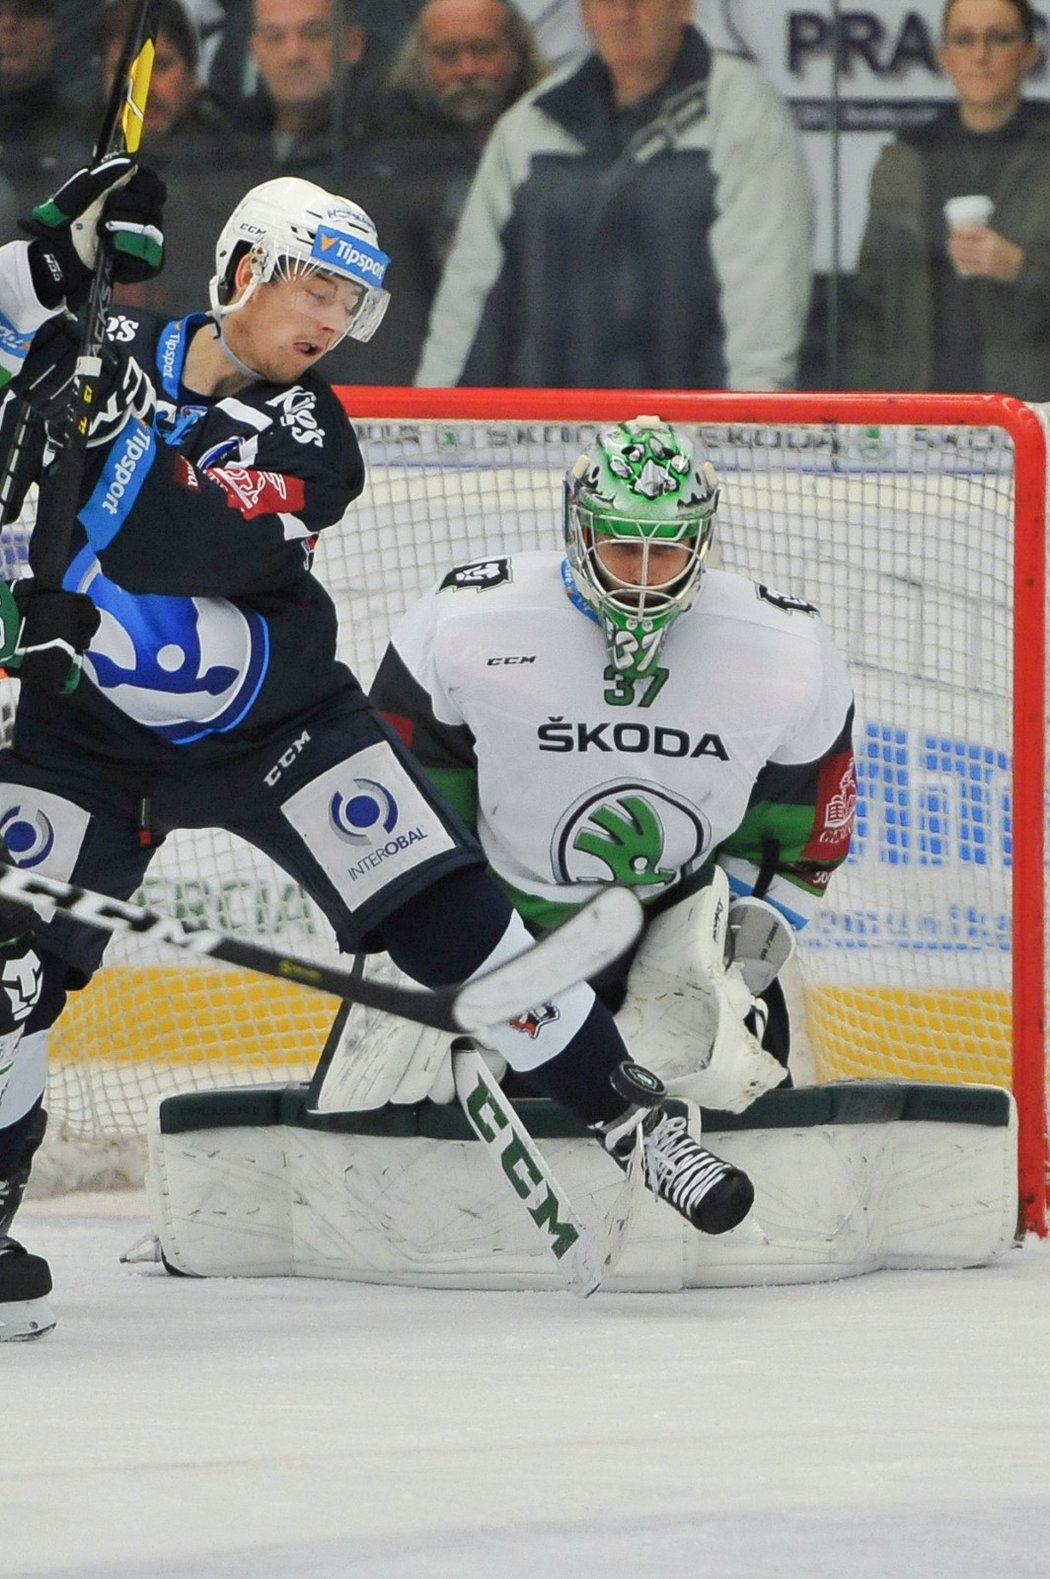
x: 321, y: 83
x: 188, y: 134
x: 642, y: 221
x: 41, y: 131
x: 941, y: 305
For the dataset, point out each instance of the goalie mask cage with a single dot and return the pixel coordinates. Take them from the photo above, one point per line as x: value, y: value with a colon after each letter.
x: 916, y: 524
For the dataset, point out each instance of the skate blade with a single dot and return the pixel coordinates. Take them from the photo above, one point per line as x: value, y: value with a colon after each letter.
x: 23, y: 1320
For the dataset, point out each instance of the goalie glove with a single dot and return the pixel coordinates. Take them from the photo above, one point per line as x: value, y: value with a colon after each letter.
x: 113, y: 203
x: 688, y: 1013
x: 761, y: 942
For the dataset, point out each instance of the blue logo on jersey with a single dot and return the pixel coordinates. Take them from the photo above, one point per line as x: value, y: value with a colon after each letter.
x: 182, y: 667
x: 29, y: 840
x: 12, y: 339
x: 360, y: 818
x: 126, y: 469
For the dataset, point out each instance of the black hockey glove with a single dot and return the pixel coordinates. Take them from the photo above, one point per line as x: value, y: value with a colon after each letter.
x: 45, y: 382
x: 124, y: 391
x: 55, y: 630
x: 113, y: 202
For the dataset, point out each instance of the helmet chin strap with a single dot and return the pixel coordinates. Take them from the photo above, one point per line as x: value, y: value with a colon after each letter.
x: 231, y: 356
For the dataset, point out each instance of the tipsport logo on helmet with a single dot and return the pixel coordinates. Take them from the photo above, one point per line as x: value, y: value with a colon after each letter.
x: 351, y: 255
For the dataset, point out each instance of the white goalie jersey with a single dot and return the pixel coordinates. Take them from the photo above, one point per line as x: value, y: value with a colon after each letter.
x: 737, y: 744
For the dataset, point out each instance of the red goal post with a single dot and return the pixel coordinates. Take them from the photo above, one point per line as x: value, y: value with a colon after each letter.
x: 1015, y: 507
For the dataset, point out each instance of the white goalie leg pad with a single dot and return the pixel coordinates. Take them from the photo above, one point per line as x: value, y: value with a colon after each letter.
x: 683, y: 1016
x: 380, y: 1058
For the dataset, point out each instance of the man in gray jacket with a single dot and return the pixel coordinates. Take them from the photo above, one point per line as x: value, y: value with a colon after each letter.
x: 642, y: 220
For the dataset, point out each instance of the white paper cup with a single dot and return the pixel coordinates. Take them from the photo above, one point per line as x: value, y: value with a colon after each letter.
x: 974, y: 210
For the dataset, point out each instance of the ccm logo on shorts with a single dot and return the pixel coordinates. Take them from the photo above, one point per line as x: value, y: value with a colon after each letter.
x: 366, y: 822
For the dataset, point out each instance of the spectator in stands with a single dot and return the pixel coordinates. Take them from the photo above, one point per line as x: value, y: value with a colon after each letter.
x: 232, y: 74
x: 187, y: 136
x: 463, y: 63
x: 184, y: 126
x: 558, y: 30
x: 642, y: 220
x: 40, y: 132
x: 209, y: 24
x: 320, y: 86
x: 965, y: 308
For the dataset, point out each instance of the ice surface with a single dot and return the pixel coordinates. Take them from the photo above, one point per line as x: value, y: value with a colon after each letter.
x: 895, y: 1424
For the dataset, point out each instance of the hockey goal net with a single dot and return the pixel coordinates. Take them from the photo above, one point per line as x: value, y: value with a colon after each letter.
x: 916, y: 524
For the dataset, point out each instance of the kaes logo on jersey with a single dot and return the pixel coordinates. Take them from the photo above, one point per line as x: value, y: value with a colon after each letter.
x: 660, y: 740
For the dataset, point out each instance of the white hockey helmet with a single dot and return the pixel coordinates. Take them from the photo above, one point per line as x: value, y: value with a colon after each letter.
x: 290, y: 228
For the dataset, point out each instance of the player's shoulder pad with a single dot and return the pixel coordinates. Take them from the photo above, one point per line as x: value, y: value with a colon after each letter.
x: 480, y: 575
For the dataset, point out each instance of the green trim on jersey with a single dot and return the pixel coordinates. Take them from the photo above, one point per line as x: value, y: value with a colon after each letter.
x: 540, y: 915
x: 459, y: 786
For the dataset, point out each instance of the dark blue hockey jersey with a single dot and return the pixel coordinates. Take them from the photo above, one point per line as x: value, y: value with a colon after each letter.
x: 195, y: 540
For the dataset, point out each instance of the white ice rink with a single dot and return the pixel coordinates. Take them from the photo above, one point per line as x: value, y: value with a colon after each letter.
x: 896, y: 1424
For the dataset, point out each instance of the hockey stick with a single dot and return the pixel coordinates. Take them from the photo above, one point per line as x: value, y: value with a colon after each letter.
x: 585, y: 1255
x: 121, y: 132
x: 596, y: 935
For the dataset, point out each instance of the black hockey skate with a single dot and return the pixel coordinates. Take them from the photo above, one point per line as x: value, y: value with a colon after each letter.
x: 707, y: 1192
x: 25, y: 1283
x: 25, y: 1280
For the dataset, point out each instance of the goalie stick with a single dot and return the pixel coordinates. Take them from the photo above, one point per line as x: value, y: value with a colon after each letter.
x: 585, y: 1254
x: 596, y: 935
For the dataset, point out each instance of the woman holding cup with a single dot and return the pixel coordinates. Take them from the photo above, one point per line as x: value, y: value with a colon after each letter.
x: 953, y: 282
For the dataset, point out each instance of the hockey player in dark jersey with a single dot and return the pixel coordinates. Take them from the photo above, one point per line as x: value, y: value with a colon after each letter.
x: 675, y: 728
x: 217, y: 457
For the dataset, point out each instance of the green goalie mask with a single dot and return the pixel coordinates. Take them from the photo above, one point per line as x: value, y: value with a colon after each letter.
x: 639, y: 518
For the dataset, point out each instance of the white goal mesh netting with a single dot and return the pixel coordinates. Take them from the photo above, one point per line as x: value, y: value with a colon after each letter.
x: 903, y: 535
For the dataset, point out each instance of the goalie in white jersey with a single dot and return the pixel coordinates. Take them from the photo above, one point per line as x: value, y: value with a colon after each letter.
x: 621, y: 713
